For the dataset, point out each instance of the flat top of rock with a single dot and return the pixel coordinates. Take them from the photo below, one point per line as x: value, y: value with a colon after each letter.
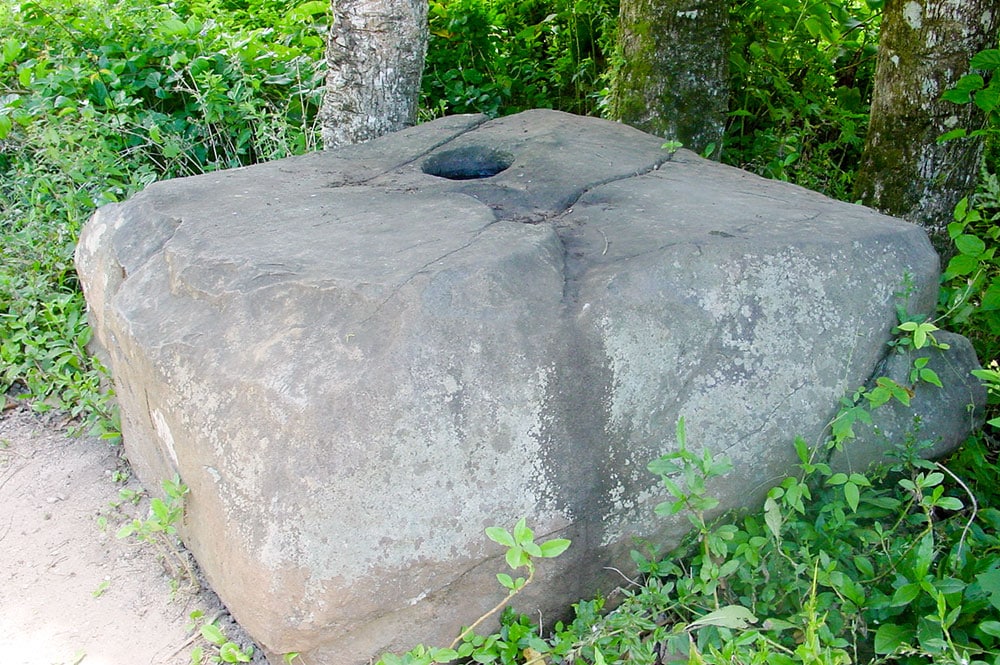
x: 386, y: 210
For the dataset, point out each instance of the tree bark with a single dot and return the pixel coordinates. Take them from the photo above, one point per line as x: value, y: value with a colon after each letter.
x: 924, y: 48
x: 673, y: 70
x: 375, y: 58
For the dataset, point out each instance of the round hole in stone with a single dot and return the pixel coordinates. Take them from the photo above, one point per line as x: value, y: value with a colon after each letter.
x: 469, y: 163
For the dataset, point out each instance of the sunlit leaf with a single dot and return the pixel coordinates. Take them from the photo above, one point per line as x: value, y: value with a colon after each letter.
x: 890, y: 637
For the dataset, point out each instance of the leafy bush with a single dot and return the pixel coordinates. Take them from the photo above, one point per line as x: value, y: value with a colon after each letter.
x: 98, y: 99
x: 501, y: 56
x: 971, y: 293
x: 801, y: 81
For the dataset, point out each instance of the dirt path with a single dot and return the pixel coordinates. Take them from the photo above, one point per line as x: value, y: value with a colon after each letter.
x: 71, y: 592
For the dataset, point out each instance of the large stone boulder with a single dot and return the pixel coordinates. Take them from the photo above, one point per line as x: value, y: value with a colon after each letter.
x: 359, y: 359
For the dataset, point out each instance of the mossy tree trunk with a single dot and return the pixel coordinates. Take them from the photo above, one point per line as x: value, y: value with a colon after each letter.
x: 924, y: 48
x: 673, y: 68
x: 375, y: 57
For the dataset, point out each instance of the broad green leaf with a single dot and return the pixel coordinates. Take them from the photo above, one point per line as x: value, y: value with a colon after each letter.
x: 969, y: 83
x: 522, y: 534
x: 957, y: 133
x: 957, y: 96
x: 960, y: 209
x: 889, y: 637
x: 443, y: 655
x: 174, y: 28
x: 924, y: 556
x: 555, y: 547
x: 837, y: 479
x: 230, y: 652
x: 864, y: 566
x: 500, y: 536
x: 309, y: 9
x: 212, y: 633
x: 933, y: 479
x: 988, y: 99
x: 988, y: 59
x: 802, y: 449
x: 905, y: 595
x: 852, y: 495
x: 962, y: 264
x: 990, y: 628
x: 773, y: 517
x: 970, y: 245
x: 516, y: 557
x: 505, y: 581
x: 990, y: 583
x: 860, y: 480
x: 930, y: 636
x: 160, y: 510
x: 735, y: 617
x: 949, y: 503
x: 663, y: 466
x: 991, y: 298
x: 599, y: 657
x: 11, y: 51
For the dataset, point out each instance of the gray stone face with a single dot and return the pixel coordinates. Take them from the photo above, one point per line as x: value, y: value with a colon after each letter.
x: 357, y: 365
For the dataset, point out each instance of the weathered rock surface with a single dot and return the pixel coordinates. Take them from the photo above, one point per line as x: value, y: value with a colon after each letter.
x: 357, y: 365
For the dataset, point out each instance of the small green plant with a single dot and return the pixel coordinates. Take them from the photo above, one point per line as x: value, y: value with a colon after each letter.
x: 101, y: 589
x: 991, y: 377
x: 160, y: 529
x: 671, y: 146
x: 522, y: 551
x: 223, y: 650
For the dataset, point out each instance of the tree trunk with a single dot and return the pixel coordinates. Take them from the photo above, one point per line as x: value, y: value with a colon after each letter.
x: 375, y: 57
x: 924, y: 48
x: 672, y: 76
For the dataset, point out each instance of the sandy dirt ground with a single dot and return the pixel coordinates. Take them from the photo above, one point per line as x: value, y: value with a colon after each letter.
x: 71, y: 592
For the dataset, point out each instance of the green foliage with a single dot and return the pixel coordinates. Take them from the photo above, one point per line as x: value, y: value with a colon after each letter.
x: 801, y: 81
x: 517, y: 632
x: 217, y: 647
x: 898, y: 565
x: 98, y: 99
x: 503, y: 56
x: 981, y: 87
x: 970, y: 285
x: 160, y: 529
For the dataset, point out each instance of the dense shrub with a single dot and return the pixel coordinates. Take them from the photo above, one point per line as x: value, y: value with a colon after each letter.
x: 503, y: 56
x: 98, y: 99
x: 801, y: 82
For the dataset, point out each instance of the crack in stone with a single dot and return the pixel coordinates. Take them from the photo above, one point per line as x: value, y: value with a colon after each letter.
x: 421, y: 270
x: 402, y: 165
x: 126, y: 258
x: 574, y: 264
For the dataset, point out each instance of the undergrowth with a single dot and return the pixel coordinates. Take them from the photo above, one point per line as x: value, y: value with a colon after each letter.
x: 900, y: 564
x: 100, y: 98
